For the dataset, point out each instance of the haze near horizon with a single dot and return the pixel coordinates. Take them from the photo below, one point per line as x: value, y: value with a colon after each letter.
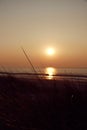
x: 53, y: 32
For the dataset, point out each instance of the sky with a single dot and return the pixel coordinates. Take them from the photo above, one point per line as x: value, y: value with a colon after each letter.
x: 37, y: 25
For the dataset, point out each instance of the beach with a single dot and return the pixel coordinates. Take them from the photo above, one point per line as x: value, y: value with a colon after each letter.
x: 42, y: 104
x: 43, y: 64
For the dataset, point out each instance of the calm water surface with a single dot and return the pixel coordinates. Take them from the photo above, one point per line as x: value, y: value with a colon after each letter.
x: 51, y: 71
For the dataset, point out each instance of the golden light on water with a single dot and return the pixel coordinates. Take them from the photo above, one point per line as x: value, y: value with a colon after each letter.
x: 50, y: 71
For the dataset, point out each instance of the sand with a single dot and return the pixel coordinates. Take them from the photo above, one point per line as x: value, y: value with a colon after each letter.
x: 32, y: 104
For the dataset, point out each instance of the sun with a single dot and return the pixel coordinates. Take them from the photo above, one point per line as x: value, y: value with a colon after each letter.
x: 50, y: 51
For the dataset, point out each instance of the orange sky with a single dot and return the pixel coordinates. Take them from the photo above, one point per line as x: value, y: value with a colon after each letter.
x: 37, y: 25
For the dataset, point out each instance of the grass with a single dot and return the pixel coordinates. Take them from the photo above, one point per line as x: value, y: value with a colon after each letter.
x: 51, y: 104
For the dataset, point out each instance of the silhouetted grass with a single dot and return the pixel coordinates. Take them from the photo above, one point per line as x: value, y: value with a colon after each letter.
x: 56, y: 104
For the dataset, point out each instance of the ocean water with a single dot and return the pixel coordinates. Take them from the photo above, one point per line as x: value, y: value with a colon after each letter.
x: 46, y: 70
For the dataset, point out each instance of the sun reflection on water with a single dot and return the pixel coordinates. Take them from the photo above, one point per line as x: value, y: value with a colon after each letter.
x: 51, y: 72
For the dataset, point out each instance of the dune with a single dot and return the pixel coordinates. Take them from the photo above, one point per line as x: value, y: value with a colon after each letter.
x: 32, y: 104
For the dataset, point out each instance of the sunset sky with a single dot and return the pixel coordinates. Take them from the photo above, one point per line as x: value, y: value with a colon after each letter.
x: 38, y: 25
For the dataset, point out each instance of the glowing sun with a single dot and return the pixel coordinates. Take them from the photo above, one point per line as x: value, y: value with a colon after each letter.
x: 50, y: 51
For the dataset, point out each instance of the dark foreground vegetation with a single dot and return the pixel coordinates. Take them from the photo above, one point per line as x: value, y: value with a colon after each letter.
x: 42, y: 105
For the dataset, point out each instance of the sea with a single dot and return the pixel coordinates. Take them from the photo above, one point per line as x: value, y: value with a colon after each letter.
x: 46, y: 72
